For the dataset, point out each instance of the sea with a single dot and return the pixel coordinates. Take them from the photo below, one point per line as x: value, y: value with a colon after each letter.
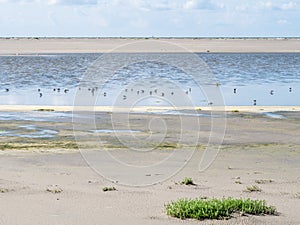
x: 245, y: 79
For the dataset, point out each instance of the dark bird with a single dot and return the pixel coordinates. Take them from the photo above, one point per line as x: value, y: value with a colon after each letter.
x: 172, y: 93
x: 6, y: 89
x: 187, y: 92
x: 131, y: 89
x: 54, y: 89
x: 210, y: 103
x: 190, y: 89
x: 150, y: 92
x: 272, y: 92
x: 254, y: 102
x: 138, y: 92
x: 142, y: 91
x: 290, y: 89
x: 124, y: 97
x: 234, y: 90
x: 104, y: 94
x: 66, y: 90
x: 58, y: 89
x: 162, y: 94
x: 39, y: 90
x: 41, y: 95
x: 155, y: 91
x: 126, y: 90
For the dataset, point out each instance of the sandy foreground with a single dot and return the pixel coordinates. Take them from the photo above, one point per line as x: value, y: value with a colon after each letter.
x: 19, y: 46
x: 256, y: 150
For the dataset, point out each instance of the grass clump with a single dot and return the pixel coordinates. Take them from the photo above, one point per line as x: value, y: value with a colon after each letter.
x: 54, y: 189
x: 201, y: 209
x: 187, y: 181
x: 105, y: 189
x: 253, y: 188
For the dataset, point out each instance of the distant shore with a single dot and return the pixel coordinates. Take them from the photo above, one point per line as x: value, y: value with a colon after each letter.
x: 23, y: 46
x: 252, y: 109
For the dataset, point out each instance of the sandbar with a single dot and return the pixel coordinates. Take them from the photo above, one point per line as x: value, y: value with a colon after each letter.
x: 21, y: 46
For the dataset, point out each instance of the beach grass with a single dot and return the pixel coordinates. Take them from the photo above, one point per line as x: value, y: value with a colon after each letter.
x: 105, y: 189
x: 187, y: 181
x: 253, y: 188
x: 225, y: 208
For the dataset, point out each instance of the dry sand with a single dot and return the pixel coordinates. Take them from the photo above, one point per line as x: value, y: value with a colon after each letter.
x: 17, y: 46
x: 255, y: 149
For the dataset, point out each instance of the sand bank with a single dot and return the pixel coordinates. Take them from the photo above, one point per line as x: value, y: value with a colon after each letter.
x: 253, y: 109
x: 19, y: 46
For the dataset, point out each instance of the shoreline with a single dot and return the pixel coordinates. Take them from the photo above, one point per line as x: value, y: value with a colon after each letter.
x: 249, y: 109
x: 23, y: 46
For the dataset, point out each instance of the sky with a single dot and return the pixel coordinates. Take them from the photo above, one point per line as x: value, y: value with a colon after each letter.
x: 147, y: 18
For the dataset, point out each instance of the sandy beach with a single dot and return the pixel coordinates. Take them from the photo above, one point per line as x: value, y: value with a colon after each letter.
x: 19, y: 46
x: 47, y: 173
x: 257, y: 150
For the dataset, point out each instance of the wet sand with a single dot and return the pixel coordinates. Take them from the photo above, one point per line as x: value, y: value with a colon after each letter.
x: 257, y: 150
x: 19, y: 46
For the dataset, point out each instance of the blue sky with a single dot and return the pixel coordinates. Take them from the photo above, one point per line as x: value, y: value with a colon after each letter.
x: 128, y: 18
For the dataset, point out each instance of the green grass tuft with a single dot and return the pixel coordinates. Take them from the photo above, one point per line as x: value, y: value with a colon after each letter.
x: 187, y: 181
x: 217, y: 209
x: 105, y: 189
x: 253, y: 188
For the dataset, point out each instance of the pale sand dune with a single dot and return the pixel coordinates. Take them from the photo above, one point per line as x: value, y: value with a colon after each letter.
x: 90, y: 45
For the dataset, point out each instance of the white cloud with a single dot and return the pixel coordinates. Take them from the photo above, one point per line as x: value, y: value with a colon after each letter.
x: 199, y: 4
x: 282, y: 22
x: 288, y: 6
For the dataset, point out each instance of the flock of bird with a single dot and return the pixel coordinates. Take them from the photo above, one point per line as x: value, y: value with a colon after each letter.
x: 151, y: 92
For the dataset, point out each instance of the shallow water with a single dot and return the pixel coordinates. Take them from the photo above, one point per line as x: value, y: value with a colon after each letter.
x: 270, y: 79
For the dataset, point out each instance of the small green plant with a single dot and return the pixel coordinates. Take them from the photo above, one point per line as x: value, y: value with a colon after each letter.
x: 187, y: 181
x: 238, y: 182
x: 217, y: 209
x: 235, y: 111
x: 253, y: 188
x: 54, y: 189
x: 105, y: 189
